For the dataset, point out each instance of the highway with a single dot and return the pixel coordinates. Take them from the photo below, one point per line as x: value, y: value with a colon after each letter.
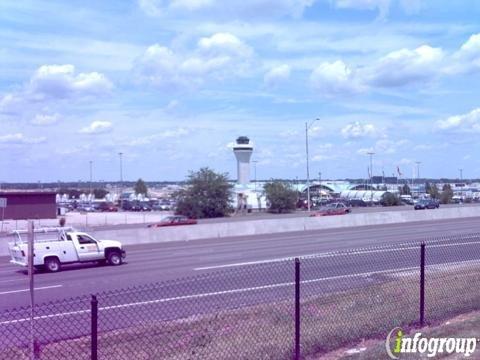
x: 150, y: 263
x: 213, y: 275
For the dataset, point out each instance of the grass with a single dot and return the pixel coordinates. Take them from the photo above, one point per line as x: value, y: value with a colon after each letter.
x: 329, y: 322
x: 462, y: 326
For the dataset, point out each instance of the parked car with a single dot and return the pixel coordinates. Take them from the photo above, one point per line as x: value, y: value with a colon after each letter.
x: 86, y: 208
x: 174, y: 220
x: 333, y: 209
x: 427, y: 204
x: 107, y: 207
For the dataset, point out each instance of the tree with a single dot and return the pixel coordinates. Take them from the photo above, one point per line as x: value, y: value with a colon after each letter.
x: 389, y: 199
x: 281, y: 196
x: 447, y: 194
x: 405, y: 190
x: 72, y: 193
x: 433, y: 191
x: 99, y: 193
x: 206, y: 195
x: 140, y: 187
x: 427, y: 187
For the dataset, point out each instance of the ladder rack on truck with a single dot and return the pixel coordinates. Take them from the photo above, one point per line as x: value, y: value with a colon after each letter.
x: 56, y: 246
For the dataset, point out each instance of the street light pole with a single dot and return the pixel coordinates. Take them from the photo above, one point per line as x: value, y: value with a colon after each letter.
x: 418, y: 176
x: 320, y: 185
x: 461, y: 174
x: 255, y: 173
x: 91, y: 177
x: 307, y: 127
x: 120, y: 154
x: 371, y: 153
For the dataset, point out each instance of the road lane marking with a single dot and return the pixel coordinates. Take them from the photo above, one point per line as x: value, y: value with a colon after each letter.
x: 235, y: 291
x: 331, y: 254
x: 25, y: 290
x: 11, y: 280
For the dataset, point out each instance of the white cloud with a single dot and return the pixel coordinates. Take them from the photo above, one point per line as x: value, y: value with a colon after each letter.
x: 19, y: 138
x: 382, y: 6
x: 222, y: 44
x: 405, y: 66
x: 191, y: 5
x: 467, y: 58
x: 277, y: 75
x: 464, y: 123
x: 11, y: 104
x: 166, y: 134
x: 246, y: 9
x: 45, y: 119
x: 219, y: 56
x: 62, y: 81
x: 334, y: 78
x: 358, y: 130
x: 365, y: 151
x: 151, y: 7
x: 97, y: 127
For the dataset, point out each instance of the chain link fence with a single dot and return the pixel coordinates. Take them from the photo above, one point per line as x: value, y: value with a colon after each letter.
x: 291, y: 308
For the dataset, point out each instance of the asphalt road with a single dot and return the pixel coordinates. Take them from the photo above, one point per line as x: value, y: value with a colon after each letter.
x: 212, y: 275
x: 172, y: 260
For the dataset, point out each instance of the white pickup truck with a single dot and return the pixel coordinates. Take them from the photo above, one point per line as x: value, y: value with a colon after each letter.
x: 56, y: 246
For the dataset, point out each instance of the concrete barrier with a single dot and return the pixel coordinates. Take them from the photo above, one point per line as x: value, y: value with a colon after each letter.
x: 144, y: 235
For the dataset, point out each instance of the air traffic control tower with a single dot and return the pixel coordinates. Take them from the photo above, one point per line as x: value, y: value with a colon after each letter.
x: 243, y: 150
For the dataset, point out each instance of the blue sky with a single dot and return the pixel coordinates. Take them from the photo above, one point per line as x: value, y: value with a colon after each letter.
x: 171, y: 84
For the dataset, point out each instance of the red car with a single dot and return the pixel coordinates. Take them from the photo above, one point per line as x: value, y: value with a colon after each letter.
x: 174, y: 220
x: 333, y: 209
x: 107, y: 207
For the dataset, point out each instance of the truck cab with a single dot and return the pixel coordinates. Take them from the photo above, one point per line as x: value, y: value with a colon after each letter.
x: 54, y: 247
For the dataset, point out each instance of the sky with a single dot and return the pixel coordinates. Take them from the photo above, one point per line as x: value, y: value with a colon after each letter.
x: 172, y: 84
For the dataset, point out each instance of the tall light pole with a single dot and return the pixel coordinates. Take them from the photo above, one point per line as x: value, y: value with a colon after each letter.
x: 418, y: 176
x: 461, y: 174
x: 371, y: 153
x: 418, y: 170
x: 255, y: 174
x: 120, y: 154
x: 307, y: 127
x: 320, y: 185
x: 91, y: 177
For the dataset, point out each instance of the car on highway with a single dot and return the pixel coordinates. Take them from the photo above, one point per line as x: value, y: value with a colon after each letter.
x: 55, y: 247
x: 426, y: 204
x: 332, y: 209
x: 174, y: 220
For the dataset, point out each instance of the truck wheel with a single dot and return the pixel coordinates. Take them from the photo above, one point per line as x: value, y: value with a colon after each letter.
x: 52, y: 264
x: 114, y: 258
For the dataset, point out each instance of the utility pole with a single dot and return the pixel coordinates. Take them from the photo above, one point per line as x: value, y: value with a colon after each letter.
x: 371, y: 153
x: 307, y: 127
x: 255, y: 173
x: 120, y: 154
x: 320, y: 187
x: 418, y: 177
x: 91, y: 178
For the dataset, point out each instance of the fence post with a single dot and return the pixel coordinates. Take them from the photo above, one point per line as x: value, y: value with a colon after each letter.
x: 297, y: 309
x: 422, y: 284
x: 94, y: 321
